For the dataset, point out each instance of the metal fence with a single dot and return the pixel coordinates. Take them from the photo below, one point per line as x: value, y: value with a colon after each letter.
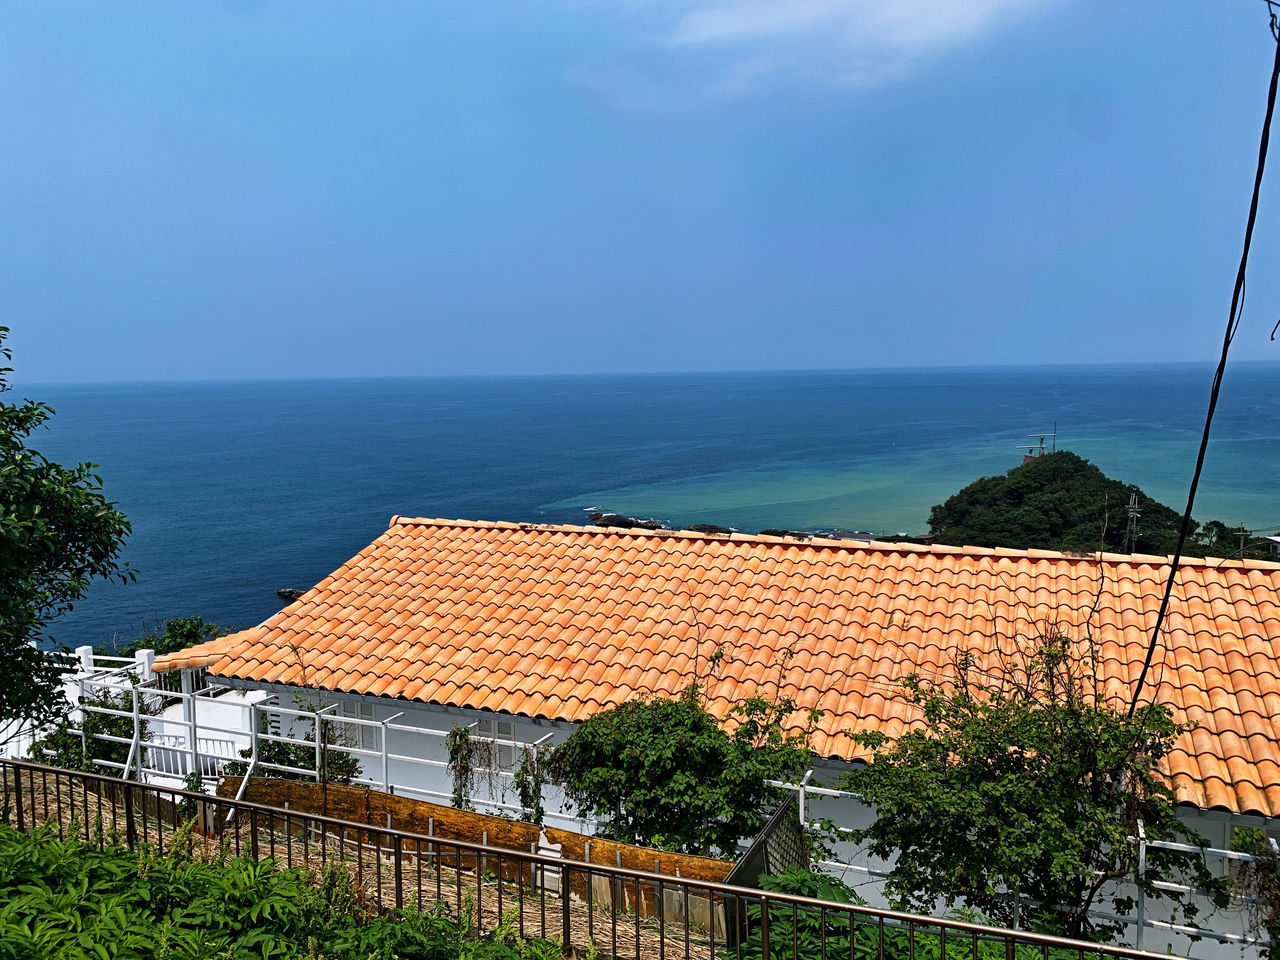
x: 168, y: 732
x: 587, y: 907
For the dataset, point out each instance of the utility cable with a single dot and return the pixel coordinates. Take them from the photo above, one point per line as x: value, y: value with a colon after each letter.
x: 1233, y: 324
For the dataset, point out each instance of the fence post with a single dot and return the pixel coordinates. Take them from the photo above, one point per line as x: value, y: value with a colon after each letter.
x: 565, y: 929
x: 134, y: 747
x: 803, y: 797
x: 17, y: 790
x: 399, y: 867
x: 319, y: 746
x: 85, y: 654
x: 764, y: 928
x: 384, y: 756
x: 144, y: 659
x: 189, y: 714
x: 253, y: 733
x: 130, y: 829
x: 1142, y: 897
x: 84, y: 742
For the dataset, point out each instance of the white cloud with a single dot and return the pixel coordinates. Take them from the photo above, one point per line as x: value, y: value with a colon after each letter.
x: 857, y: 42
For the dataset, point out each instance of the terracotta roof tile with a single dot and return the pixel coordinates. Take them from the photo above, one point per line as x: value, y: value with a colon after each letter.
x: 563, y: 622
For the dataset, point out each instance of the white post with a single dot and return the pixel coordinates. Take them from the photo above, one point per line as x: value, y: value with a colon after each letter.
x: 319, y: 744
x: 136, y: 745
x: 143, y: 660
x: 316, y: 715
x: 189, y: 708
x: 84, y: 715
x: 85, y: 654
x: 188, y: 687
x: 253, y: 733
x: 386, y: 784
x: 1142, y: 897
x: 253, y: 758
x: 804, y: 782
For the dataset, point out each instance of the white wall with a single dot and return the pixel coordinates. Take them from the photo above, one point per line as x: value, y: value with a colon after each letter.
x: 425, y: 741
x: 417, y: 753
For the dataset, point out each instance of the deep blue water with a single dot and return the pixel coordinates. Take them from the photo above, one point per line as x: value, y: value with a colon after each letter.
x: 238, y: 488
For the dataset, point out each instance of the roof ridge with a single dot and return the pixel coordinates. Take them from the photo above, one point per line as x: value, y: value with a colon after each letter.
x: 828, y: 543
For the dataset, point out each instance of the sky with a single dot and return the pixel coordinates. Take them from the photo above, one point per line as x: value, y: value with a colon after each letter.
x: 263, y: 189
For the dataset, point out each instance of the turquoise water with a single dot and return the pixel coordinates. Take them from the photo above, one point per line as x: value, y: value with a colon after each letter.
x: 236, y: 489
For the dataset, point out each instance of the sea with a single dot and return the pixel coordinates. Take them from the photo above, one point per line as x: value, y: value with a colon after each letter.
x: 236, y: 489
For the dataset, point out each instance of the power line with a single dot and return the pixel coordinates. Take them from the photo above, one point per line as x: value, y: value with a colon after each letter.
x: 1233, y: 324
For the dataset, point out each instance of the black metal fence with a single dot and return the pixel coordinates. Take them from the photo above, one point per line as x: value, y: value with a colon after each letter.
x: 614, y: 911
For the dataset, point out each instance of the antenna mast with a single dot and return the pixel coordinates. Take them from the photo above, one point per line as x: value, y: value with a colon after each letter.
x: 1131, y: 526
x: 1037, y: 449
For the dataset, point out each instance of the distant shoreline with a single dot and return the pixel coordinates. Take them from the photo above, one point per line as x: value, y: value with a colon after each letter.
x: 646, y: 374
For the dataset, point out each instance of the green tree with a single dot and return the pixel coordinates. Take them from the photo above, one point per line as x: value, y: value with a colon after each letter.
x: 176, y: 633
x: 1057, y: 501
x: 1025, y: 778
x: 662, y: 772
x: 58, y: 533
x: 1060, y: 501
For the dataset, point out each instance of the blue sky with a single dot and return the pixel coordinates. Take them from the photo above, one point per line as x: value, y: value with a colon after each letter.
x: 267, y: 189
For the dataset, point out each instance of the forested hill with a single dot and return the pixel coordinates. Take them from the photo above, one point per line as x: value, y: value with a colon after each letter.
x: 1060, y: 501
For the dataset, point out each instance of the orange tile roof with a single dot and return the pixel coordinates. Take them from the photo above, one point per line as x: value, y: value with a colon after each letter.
x: 562, y: 622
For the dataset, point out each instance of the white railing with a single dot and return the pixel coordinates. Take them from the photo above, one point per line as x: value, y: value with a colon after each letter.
x: 166, y: 748
x: 171, y: 755
x: 207, y: 747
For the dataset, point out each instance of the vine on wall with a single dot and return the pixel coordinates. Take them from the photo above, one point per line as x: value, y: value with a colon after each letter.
x: 470, y: 758
x: 1257, y: 884
x: 529, y: 779
x: 460, y: 746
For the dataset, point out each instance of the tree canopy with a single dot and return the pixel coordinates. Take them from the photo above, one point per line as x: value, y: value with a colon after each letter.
x: 176, y: 633
x: 1060, y: 501
x: 58, y: 532
x: 1024, y: 778
x: 663, y: 773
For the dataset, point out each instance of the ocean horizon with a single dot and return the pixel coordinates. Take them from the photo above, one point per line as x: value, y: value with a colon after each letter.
x: 237, y: 488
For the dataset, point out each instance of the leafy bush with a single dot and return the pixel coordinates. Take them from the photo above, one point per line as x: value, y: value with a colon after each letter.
x: 176, y: 633
x: 1024, y: 776
x: 1257, y: 884
x: 58, y: 533
x: 70, y: 900
x: 664, y: 773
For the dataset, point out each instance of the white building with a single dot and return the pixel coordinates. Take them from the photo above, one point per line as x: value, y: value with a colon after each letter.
x: 522, y: 631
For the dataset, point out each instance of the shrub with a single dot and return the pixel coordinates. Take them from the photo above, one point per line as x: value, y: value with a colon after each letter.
x: 664, y: 773
x: 1257, y: 884
x: 73, y: 901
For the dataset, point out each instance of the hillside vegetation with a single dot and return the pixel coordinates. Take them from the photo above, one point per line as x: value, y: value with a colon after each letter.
x: 1060, y: 501
x: 71, y: 900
